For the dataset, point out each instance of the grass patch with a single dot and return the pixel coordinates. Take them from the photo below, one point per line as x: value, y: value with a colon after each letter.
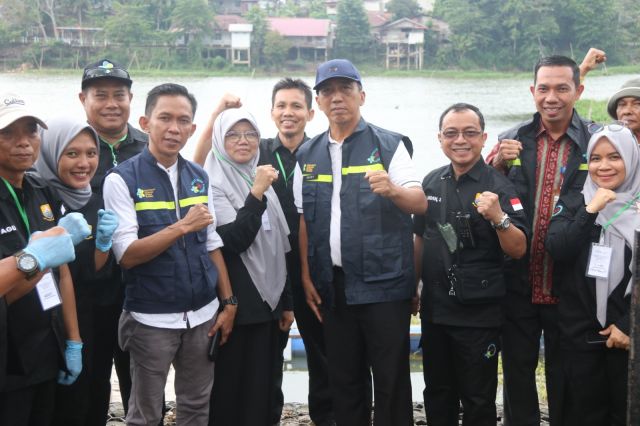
x: 593, y: 110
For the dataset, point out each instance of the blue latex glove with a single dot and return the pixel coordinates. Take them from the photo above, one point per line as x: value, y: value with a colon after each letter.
x: 76, y: 225
x: 73, y: 359
x: 107, y: 224
x: 51, y: 251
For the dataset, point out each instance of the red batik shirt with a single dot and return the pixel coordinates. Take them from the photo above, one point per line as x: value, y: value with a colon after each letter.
x: 552, y: 158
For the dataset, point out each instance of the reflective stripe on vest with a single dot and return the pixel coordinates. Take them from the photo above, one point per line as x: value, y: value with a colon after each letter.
x: 318, y: 178
x: 352, y: 170
x: 583, y: 166
x: 170, y: 205
x: 515, y: 162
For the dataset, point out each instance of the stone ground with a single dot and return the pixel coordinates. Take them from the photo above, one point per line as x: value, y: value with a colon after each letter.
x: 293, y: 414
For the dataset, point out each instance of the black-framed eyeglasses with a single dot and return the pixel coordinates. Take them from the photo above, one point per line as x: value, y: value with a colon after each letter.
x: 451, y: 134
x: 234, y: 137
x: 614, y: 126
x: 105, y: 72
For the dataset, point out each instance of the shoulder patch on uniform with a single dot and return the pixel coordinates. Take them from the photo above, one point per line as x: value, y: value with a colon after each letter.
x: 47, y: 213
x: 516, y: 204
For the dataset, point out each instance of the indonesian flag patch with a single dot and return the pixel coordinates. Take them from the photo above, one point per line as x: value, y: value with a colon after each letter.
x: 516, y: 204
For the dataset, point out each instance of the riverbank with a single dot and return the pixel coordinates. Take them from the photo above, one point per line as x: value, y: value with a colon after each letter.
x: 296, y: 414
x: 366, y: 71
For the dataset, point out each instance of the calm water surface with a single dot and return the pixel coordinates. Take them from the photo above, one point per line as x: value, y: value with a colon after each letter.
x: 408, y: 105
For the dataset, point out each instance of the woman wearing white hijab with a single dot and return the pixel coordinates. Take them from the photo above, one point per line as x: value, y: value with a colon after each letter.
x: 67, y: 162
x: 253, y: 228
x: 592, y: 234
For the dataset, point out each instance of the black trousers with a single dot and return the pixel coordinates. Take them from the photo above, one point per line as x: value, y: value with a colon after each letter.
x: 31, y: 406
x: 375, y: 335
x: 460, y: 364
x: 86, y: 402
x: 521, y: 333
x: 596, y: 387
x: 243, y: 380
x: 319, y: 399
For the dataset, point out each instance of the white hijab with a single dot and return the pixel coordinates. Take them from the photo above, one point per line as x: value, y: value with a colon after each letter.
x: 230, y: 185
x: 620, y: 232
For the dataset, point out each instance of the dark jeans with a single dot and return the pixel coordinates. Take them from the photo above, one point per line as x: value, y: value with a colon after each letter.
x: 31, y: 406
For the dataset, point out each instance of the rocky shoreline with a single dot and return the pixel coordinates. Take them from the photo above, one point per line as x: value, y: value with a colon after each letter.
x: 293, y: 414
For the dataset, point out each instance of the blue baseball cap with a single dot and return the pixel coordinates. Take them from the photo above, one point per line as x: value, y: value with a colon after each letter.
x: 336, y: 68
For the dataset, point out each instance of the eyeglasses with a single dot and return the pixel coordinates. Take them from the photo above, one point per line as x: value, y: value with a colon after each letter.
x: 452, y: 135
x: 234, y: 137
x: 614, y: 126
x: 105, y: 72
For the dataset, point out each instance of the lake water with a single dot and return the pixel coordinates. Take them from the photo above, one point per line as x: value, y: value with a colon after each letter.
x: 410, y: 106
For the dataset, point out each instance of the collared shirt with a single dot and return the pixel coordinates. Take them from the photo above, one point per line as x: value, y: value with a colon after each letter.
x: 438, y: 306
x: 401, y: 172
x: 117, y: 198
x: 552, y: 157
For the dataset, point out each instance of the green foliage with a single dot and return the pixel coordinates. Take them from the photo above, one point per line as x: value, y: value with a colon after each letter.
x: 129, y: 25
x: 276, y: 49
x: 258, y: 18
x: 353, y: 39
x: 404, y: 8
x: 317, y: 9
x: 192, y: 18
x: 512, y: 34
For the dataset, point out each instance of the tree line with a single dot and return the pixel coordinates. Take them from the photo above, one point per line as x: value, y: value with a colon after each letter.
x: 485, y: 34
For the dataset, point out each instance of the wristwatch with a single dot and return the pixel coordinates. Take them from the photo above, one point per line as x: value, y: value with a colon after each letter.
x: 27, y: 263
x: 504, y: 223
x: 229, y: 301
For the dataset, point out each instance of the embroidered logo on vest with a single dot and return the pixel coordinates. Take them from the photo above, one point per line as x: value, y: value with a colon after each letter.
x: 197, y: 186
x: 374, y: 157
x: 145, y: 193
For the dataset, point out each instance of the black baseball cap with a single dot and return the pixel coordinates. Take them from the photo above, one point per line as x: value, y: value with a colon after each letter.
x: 104, y: 69
x: 336, y: 68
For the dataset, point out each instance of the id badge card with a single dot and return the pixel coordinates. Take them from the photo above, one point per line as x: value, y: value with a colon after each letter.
x: 266, y: 225
x: 599, y: 261
x: 48, y: 292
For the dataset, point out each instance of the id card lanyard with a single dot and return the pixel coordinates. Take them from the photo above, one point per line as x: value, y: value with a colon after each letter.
x: 21, y: 209
x: 284, y: 172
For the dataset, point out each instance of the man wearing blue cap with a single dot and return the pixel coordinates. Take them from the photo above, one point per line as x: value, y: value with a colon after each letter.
x: 356, y: 187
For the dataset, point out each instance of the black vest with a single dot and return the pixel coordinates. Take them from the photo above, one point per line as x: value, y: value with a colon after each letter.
x: 376, y: 236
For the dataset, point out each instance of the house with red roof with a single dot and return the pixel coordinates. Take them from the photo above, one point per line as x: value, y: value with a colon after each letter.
x: 311, y: 38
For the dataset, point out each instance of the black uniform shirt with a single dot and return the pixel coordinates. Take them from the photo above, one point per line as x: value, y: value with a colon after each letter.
x: 437, y: 305
x: 34, y: 337
x: 111, y: 157
x: 270, y: 151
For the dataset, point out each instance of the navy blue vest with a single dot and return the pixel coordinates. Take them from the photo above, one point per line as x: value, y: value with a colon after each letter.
x: 376, y: 237
x: 183, y: 277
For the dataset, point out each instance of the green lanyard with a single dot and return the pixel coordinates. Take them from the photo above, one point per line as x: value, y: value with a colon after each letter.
x: 284, y: 173
x: 114, y: 160
x: 18, y: 205
x: 246, y: 178
x: 622, y: 210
